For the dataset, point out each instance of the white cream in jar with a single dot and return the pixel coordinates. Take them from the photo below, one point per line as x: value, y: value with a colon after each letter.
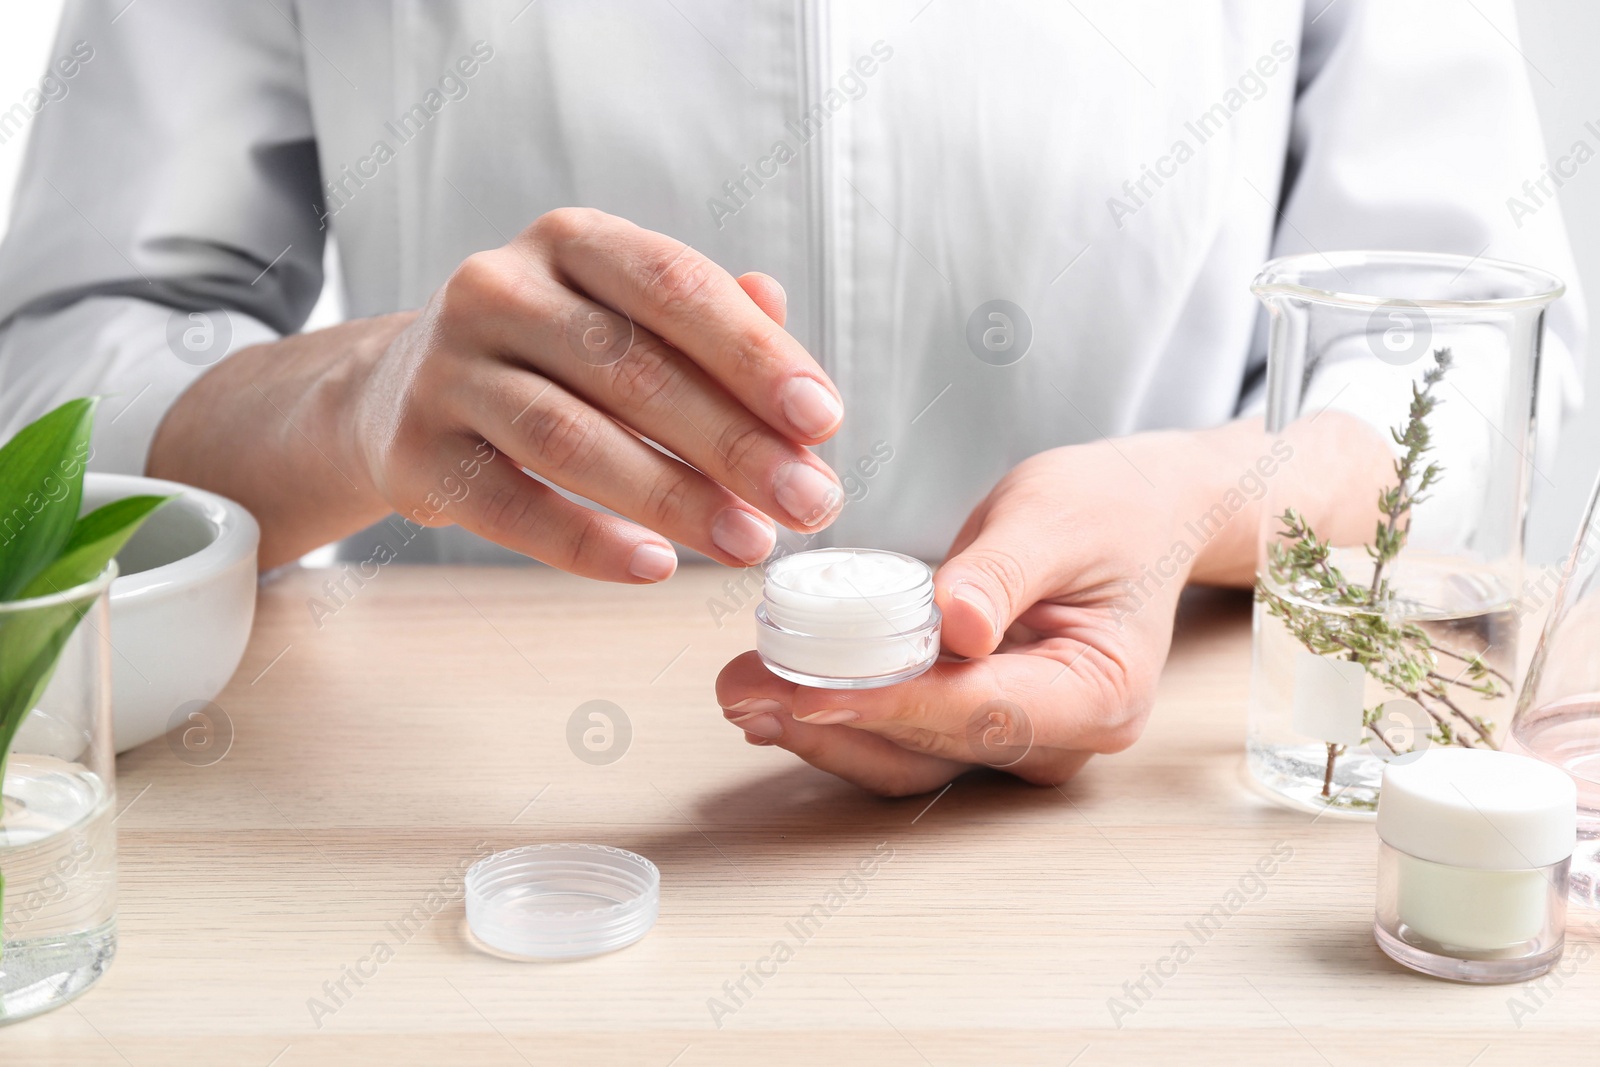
x: 848, y: 618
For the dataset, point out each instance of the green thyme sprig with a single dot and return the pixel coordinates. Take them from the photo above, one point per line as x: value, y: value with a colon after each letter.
x: 1398, y: 654
x: 1409, y: 489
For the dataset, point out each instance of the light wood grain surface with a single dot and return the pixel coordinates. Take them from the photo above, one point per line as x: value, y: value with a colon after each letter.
x: 425, y: 721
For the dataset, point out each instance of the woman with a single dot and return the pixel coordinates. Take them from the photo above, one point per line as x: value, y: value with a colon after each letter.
x: 1013, y: 243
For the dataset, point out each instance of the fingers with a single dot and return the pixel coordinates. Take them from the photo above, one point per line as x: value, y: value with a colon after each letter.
x: 699, y: 309
x: 663, y: 396
x: 873, y: 763
x: 527, y: 516
x: 768, y: 295
x: 759, y: 701
x: 997, y: 709
x: 545, y: 428
x: 966, y: 717
x: 645, y: 384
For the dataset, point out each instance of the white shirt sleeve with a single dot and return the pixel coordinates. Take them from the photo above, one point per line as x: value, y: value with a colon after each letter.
x: 1414, y: 128
x: 167, y: 213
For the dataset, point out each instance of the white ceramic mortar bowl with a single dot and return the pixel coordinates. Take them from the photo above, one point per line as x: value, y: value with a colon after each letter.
x: 182, y: 605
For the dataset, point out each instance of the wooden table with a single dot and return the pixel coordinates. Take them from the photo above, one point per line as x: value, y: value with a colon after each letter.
x: 425, y: 721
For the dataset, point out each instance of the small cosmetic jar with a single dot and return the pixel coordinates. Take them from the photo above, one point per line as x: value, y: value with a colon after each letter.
x: 1473, y: 852
x: 848, y: 618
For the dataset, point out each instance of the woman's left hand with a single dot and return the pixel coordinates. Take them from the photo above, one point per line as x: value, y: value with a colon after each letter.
x: 1060, y: 592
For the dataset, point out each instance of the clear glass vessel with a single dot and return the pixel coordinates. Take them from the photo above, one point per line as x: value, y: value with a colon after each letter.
x: 57, y: 843
x: 1558, y: 714
x: 1389, y: 624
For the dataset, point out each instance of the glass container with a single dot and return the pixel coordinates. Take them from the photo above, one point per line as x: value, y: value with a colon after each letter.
x: 1558, y: 713
x: 58, y: 884
x: 1385, y: 617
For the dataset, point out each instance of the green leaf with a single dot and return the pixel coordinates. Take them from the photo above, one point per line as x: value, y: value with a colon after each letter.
x: 41, y: 489
x: 95, y: 539
x: 30, y: 641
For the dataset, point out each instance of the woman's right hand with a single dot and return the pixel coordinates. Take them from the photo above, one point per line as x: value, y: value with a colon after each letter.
x: 566, y: 352
x: 524, y: 348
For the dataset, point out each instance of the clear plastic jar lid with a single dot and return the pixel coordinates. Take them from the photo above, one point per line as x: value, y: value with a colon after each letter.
x: 562, y: 902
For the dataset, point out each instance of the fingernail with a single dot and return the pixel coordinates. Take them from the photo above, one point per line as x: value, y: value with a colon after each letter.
x: 754, y: 740
x: 653, y: 563
x: 809, y: 407
x: 742, y: 535
x: 829, y: 717
x: 753, y: 706
x: 761, y: 724
x: 806, y: 493
x: 970, y: 594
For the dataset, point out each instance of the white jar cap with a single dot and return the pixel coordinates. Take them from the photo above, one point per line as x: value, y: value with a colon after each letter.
x: 1479, y: 808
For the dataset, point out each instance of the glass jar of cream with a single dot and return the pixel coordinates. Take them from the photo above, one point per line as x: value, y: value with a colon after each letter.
x: 848, y: 618
x: 1472, y: 864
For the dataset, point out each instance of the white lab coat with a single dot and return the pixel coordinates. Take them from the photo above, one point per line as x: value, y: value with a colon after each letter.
x: 895, y: 165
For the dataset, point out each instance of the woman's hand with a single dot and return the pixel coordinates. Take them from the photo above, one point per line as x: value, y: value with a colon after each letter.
x: 523, y: 347
x: 1060, y: 593
x: 564, y: 353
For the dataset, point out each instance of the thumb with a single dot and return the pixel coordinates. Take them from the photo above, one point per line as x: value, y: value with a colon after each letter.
x: 982, y: 588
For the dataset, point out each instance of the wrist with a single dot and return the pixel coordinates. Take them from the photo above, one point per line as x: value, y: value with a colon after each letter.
x: 273, y: 427
x: 349, y: 388
x: 1223, y: 476
x: 1329, y: 468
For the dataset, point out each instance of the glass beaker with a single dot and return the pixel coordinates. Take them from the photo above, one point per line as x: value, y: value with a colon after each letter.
x: 58, y: 882
x: 1385, y: 617
x: 1558, y: 713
